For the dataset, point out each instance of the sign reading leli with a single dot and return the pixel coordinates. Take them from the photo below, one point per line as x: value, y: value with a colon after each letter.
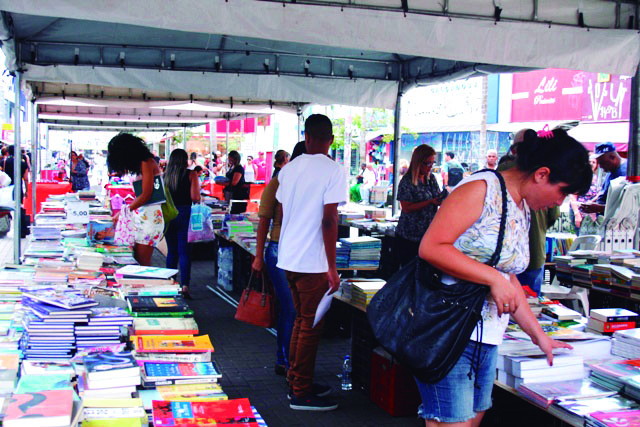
x: 78, y: 213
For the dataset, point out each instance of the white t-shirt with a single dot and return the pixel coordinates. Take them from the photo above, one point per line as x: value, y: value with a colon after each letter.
x: 368, y: 178
x: 249, y: 173
x: 306, y: 185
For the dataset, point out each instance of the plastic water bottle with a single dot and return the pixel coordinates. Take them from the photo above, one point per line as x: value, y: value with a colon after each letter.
x: 346, y: 373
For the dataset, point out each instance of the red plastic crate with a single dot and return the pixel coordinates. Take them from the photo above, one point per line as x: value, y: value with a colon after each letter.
x: 393, y: 388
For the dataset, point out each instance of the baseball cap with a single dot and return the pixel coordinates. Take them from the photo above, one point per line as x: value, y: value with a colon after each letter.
x: 604, y: 148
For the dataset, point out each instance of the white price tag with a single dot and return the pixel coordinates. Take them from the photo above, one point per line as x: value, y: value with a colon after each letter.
x: 78, y: 213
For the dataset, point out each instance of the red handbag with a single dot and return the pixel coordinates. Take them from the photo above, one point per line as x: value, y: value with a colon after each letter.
x: 256, y: 307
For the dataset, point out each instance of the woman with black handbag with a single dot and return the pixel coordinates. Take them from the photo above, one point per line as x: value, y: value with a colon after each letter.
x: 460, y: 241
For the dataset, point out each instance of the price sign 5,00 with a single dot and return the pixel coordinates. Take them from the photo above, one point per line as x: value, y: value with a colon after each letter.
x: 78, y: 212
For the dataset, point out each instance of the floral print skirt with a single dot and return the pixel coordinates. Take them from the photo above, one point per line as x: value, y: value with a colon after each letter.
x: 149, y: 225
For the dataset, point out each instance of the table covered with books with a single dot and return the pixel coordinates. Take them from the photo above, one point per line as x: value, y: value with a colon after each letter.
x: 91, y: 338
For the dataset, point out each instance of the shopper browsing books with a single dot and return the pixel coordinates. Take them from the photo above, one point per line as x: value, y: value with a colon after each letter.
x: 419, y: 195
x: 270, y: 214
x: 184, y: 187
x: 311, y: 188
x: 237, y: 188
x: 129, y: 154
x: 463, y: 235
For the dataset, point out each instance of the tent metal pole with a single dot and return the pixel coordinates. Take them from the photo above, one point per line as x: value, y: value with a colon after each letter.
x: 167, y: 148
x: 48, y: 152
x: 184, y: 138
x: 34, y: 158
x: 17, y: 172
x: 226, y: 136
x: 212, y: 140
x: 633, y: 165
x: 396, y: 148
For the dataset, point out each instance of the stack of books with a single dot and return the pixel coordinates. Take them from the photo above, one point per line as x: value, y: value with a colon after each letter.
x: 113, y: 412
x: 545, y: 394
x: 363, y: 290
x: 364, y: 251
x: 342, y: 255
x: 108, y: 374
x: 577, y: 410
x: 203, y: 392
x: 235, y: 227
x: 172, y: 348
x: 626, y: 343
x: 168, y: 413
x: 46, y: 232
x: 103, y: 327
x: 165, y: 326
x: 609, y: 320
x: 560, y: 312
x: 43, y: 408
x: 163, y: 373
x: 9, y: 366
x: 158, y: 306
x: 50, y: 325
x: 142, y: 274
x: 612, y: 375
x: 613, y: 418
x: 517, y: 371
x: 91, y: 261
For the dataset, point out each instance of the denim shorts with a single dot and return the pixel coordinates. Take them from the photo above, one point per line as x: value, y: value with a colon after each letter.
x: 457, y: 398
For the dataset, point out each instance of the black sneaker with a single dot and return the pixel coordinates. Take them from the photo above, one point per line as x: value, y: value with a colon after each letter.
x: 280, y: 370
x: 316, y: 389
x: 312, y: 403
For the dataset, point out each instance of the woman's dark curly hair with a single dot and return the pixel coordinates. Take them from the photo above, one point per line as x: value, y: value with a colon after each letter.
x: 126, y: 154
x: 566, y: 158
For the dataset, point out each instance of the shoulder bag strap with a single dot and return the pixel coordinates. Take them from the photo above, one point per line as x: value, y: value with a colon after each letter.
x: 495, y: 258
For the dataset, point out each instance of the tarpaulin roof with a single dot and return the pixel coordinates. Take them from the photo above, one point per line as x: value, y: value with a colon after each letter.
x: 308, y: 51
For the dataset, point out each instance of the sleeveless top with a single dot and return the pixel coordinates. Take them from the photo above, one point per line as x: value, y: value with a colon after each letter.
x: 479, y: 242
x: 182, y: 195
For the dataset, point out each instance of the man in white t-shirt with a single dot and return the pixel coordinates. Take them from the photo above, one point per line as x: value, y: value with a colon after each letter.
x: 368, y: 181
x: 311, y: 188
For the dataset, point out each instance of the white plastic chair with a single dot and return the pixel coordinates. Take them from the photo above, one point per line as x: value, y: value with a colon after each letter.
x: 556, y: 291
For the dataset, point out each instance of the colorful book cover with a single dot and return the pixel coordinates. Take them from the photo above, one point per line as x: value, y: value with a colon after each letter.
x: 47, y: 367
x: 36, y: 383
x: 585, y: 407
x: 157, y: 304
x: 618, y: 418
x: 625, y: 368
x: 52, y: 407
x: 161, y: 326
x: 237, y: 412
x: 68, y: 300
x: 101, y: 231
x: 108, y: 313
x: 172, y: 344
x: 180, y: 370
x: 108, y: 364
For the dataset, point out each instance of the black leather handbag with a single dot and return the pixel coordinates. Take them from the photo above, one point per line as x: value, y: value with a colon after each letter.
x: 425, y: 324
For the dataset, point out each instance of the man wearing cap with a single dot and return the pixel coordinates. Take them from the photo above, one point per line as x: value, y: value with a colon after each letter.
x: 615, y: 166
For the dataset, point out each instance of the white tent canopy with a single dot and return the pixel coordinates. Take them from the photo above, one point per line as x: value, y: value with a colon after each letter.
x: 311, y: 52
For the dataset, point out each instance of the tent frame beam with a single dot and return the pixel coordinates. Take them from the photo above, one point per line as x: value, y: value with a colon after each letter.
x: 444, y: 12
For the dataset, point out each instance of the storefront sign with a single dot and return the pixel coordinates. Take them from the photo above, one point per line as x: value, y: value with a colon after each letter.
x: 554, y: 94
x: 550, y: 94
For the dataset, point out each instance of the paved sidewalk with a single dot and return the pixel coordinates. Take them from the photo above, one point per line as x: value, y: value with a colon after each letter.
x: 246, y: 355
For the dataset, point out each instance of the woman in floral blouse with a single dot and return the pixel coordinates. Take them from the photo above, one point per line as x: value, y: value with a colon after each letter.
x: 129, y: 154
x: 419, y: 195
